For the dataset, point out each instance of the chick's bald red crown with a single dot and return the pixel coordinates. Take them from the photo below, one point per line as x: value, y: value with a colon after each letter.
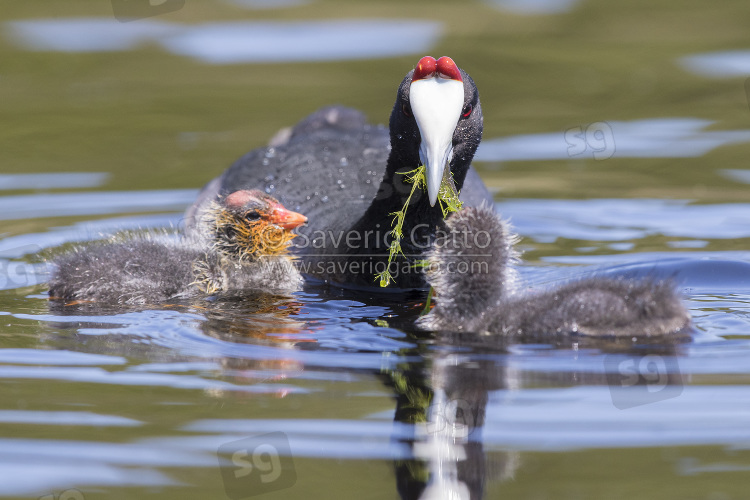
x: 274, y: 212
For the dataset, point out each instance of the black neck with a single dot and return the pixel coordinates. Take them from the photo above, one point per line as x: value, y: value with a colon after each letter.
x: 421, y: 221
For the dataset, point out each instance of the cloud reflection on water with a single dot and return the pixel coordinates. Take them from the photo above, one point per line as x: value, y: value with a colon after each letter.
x: 234, y: 42
x: 722, y: 64
x: 649, y: 138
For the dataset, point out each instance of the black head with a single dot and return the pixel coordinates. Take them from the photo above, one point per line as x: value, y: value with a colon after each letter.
x: 436, y: 126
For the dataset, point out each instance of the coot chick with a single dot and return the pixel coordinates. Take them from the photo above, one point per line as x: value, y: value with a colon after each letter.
x: 243, y: 245
x: 347, y: 176
x: 469, y: 271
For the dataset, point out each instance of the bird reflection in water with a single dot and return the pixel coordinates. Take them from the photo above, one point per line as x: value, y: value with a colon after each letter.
x: 444, y: 399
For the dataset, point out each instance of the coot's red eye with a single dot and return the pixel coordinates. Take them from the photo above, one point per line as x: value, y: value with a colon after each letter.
x: 252, y: 215
x: 467, y: 111
x: 406, y: 109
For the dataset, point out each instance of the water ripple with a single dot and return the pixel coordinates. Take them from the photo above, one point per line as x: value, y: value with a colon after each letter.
x: 48, y: 180
x: 649, y: 138
x: 584, y: 417
x: 234, y: 42
x: 625, y: 219
x: 66, y: 204
x: 724, y: 64
x: 65, y: 418
x: 56, y: 357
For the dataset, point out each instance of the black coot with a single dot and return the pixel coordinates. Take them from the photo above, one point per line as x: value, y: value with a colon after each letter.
x: 470, y: 270
x: 244, y: 246
x: 347, y: 176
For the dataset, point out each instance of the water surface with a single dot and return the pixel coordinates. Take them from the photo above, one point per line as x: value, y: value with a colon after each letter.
x: 609, y: 143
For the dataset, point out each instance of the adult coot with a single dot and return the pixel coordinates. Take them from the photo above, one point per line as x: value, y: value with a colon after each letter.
x: 347, y: 176
x: 470, y: 270
x: 243, y: 245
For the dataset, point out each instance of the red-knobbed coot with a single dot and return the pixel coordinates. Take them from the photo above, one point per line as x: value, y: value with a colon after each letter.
x: 243, y: 245
x: 347, y: 176
x: 470, y: 273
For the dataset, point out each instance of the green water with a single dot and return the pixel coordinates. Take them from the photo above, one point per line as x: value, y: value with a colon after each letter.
x: 153, y: 120
x: 124, y: 113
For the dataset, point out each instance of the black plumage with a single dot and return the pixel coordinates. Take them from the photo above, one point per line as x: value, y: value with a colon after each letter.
x: 347, y: 177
